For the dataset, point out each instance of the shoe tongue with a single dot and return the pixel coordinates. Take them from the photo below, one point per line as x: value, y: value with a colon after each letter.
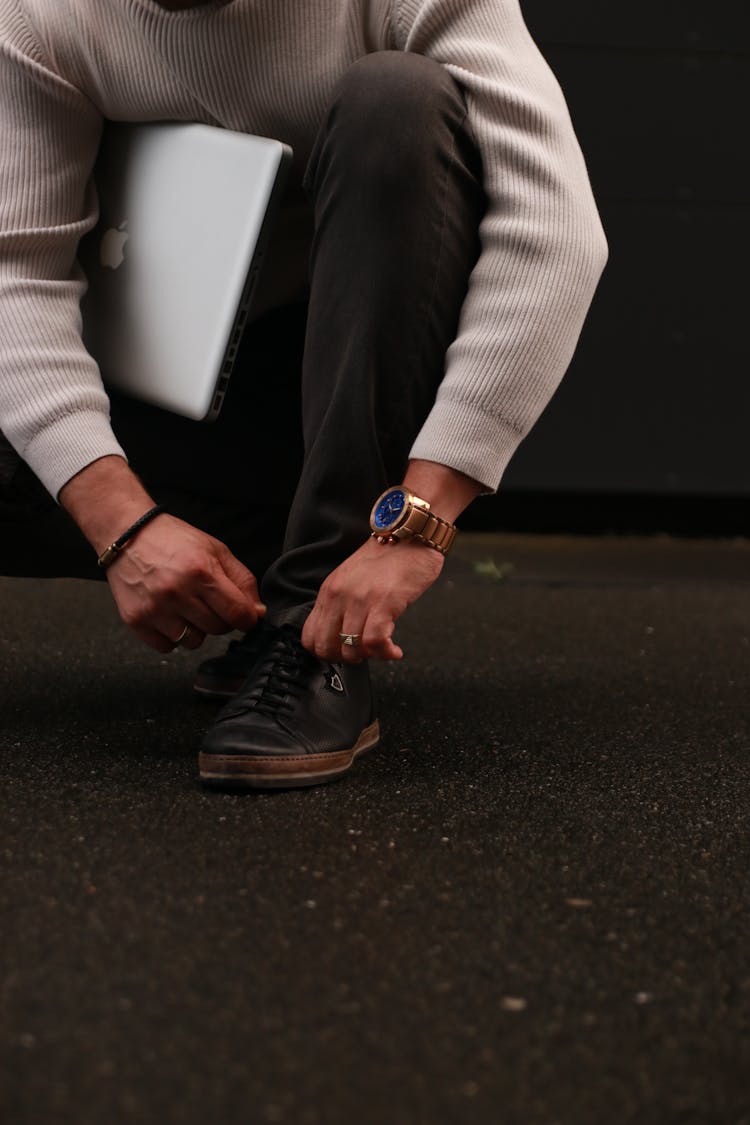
x: 250, y: 642
x: 295, y: 616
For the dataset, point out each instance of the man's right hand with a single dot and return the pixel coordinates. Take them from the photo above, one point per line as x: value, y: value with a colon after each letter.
x: 171, y: 574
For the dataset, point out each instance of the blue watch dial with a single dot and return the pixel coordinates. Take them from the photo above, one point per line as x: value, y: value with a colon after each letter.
x: 389, y: 509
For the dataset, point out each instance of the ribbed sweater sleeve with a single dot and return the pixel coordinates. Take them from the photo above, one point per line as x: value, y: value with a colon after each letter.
x: 52, y: 403
x: 542, y: 244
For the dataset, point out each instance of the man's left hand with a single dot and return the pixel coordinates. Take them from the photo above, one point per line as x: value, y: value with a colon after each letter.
x: 366, y: 595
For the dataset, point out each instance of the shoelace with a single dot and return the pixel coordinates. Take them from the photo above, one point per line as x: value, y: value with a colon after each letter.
x: 280, y: 676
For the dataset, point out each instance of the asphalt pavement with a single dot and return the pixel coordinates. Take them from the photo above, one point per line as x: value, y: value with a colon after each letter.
x: 529, y: 905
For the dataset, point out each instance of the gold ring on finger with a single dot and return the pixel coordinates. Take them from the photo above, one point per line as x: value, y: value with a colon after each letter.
x: 350, y: 640
x: 185, y: 633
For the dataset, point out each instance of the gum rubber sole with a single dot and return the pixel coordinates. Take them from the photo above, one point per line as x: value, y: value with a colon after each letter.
x: 220, y: 694
x: 239, y: 771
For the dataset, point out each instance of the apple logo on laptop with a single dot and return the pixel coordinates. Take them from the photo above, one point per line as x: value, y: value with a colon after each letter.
x: 112, y: 248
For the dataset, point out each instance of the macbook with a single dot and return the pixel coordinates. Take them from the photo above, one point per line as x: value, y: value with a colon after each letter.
x: 186, y: 211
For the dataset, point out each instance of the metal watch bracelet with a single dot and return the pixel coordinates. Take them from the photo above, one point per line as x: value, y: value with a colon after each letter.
x: 428, y: 528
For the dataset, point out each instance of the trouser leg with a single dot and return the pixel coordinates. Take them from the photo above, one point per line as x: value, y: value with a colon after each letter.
x: 396, y: 184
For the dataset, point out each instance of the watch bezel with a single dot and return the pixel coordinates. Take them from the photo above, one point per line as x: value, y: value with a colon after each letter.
x: 400, y: 519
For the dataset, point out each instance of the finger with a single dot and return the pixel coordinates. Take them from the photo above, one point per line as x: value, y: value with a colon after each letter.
x: 385, y: 650
x: 377, y: 637
x: 351, y: 654
x: 153, y: 638
x: 310, y: 629
x: 200, y: 616
x: 242, y: 578
x: 173, y: 630
x: 327, y: 643
x: 193, y: 639
x: 230, y: 604
x: 320, y: 633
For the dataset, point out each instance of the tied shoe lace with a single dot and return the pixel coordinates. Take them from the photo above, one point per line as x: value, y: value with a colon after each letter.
x: 221, y: 677
x: 295, y: 721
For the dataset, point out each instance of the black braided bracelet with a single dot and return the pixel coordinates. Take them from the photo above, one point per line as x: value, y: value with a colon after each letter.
x: 107, y: 557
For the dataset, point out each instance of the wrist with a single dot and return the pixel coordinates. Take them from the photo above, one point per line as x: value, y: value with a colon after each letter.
x: 408, y: 553
x: 115, y: 549
x: 104, y: 499
x: 447, y: 491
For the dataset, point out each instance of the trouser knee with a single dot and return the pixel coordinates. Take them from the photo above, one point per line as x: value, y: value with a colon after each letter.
x: 391, y: 117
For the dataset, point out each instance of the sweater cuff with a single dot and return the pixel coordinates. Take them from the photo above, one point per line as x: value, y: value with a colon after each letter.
x: 464, y: 437
x: 67, y: 445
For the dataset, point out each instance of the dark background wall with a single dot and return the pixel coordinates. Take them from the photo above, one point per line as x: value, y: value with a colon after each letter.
x: 656, y: 402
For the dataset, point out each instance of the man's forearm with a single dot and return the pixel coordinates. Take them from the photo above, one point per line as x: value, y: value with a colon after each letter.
x: 104, y: 499
x: 447, y: 491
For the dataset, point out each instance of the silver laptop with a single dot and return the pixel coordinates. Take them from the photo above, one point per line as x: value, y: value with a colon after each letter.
x: 185, y: 215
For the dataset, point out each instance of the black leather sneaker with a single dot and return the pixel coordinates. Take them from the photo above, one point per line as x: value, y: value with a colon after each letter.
x: 221, y: 677
x: 295, y: 721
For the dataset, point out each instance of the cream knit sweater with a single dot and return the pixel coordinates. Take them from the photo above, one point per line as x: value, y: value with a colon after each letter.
x: 267, y: 67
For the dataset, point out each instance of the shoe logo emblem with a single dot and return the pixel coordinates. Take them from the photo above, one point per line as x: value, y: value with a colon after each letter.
x: 334, y: 681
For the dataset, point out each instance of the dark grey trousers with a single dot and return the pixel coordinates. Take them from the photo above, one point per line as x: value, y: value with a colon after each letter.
x: 329, y: 393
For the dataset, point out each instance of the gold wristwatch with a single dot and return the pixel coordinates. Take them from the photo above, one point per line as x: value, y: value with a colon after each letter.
x: 399, y: 514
